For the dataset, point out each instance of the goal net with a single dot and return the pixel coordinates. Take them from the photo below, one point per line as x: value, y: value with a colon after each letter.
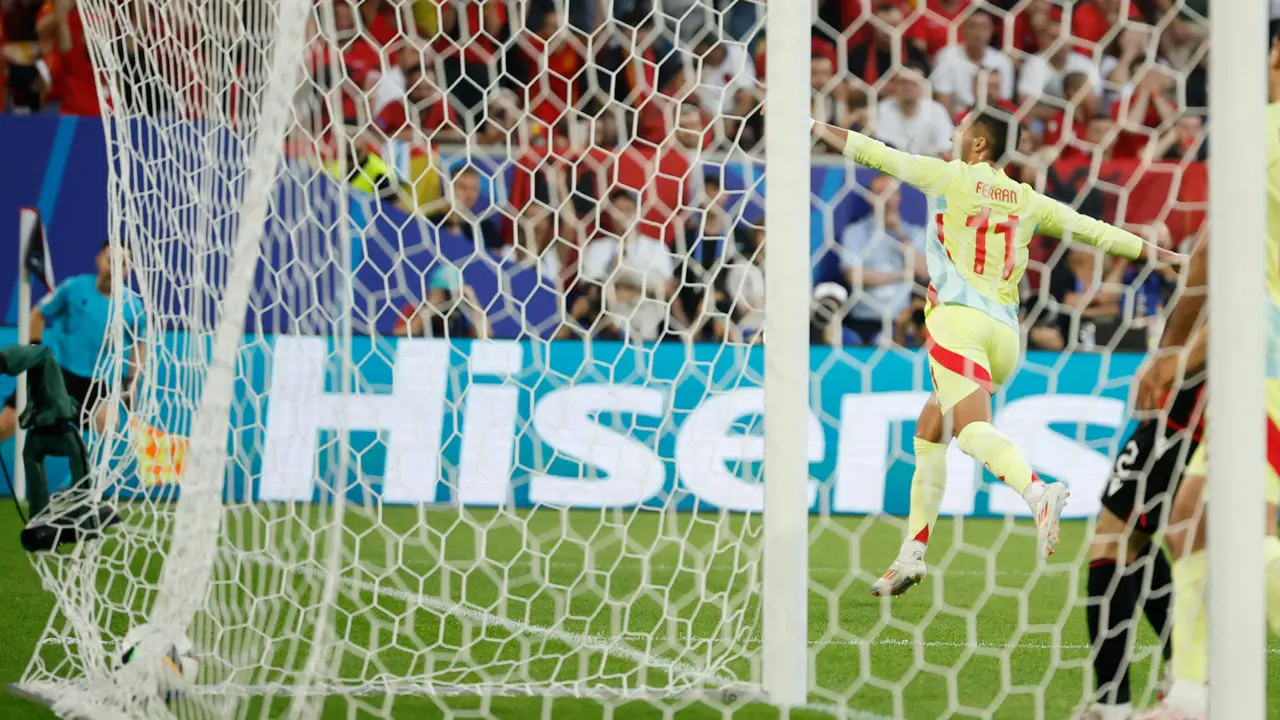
x: 451, y: 399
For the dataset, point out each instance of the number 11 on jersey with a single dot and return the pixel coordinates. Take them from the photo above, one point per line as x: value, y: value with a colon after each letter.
x: 981, y: 223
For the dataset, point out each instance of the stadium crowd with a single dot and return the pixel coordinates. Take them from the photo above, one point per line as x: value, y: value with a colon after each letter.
x: 621, y: 119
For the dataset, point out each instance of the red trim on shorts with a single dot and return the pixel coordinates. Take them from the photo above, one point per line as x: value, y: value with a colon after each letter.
x: 1100, y: 562
x: 931, y: 295
x: 1273, y: 445
x: 960, y: 365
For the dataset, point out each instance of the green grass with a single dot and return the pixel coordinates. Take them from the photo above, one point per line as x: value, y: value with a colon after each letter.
x: 623, y: 598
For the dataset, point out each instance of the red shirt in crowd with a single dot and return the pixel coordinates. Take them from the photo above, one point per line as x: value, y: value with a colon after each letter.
x: 553, y: 90
x: 662, y: 178
x: 1089, y: 24
x: 394, y: 118
x: 74, y: 80
x: 1130, y: 144
x: 933, y: 26
x: 1076, y: 131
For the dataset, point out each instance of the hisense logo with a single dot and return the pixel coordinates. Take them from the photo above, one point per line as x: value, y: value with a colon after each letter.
x: 555, y: 443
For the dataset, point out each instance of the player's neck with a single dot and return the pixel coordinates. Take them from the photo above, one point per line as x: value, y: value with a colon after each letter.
x: 104, y: 284
x: 1273, y: 82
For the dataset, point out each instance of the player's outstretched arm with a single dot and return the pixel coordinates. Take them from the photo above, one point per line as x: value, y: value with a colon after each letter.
x: 1059, y: 220
x: 931, y: 175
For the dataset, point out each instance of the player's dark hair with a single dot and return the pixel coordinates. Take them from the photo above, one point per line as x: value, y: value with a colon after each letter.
x: 1001, y: 130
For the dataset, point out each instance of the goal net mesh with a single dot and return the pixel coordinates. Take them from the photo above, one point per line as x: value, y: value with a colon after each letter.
x: 453, y: 321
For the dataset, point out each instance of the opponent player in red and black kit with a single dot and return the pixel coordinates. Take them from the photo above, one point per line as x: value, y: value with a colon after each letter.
x: 1125, y: 567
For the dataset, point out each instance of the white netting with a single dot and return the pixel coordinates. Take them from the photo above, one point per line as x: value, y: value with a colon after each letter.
x: 477, y: 288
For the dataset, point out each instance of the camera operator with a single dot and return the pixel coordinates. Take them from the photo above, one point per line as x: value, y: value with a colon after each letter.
x: 826, y: 315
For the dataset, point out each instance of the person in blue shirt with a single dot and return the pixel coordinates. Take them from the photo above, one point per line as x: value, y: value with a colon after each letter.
x: 74, y: 322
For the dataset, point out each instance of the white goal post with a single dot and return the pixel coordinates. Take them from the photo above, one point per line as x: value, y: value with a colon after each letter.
x: 1237, y: 364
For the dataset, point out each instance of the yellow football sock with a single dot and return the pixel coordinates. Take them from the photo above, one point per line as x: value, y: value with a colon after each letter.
x: 984, y: 443
x: 1271, y: 548
x: 1190, y: 643
x: 927, y: 487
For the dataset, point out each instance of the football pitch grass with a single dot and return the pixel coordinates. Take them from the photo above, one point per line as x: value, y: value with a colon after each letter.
x: 552, y: 596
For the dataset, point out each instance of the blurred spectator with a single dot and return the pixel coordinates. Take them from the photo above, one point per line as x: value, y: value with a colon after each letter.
x: 636, y: 273
x: 67, y: 58
x: 934, y: 25
x: 744, y: 285
x: 1091, y: 20
x: 1067, y: 132
x: 545, y: 64
x: 1042, y: 74
x: 1150, y: 102
x: 883, y: 258
x: 469, y: 44
x: 500, y: 119
x: 461, y: 218
x: 693, y: 131
x: 367, y: 172
x: 624, y: 245
x: 825, y: 310
x: 872, y: 61
x: 1184, y: 142
x: 411, y: 102
x: 726, y: 77
x: 451, y: 309
x: 1041, y: 324
x: 912, y: 120
x: 957, y: 65
x: 25, y: 75
x: 659, y: 113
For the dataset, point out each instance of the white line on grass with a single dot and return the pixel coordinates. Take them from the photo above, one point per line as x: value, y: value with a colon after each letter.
x: 606, y: 645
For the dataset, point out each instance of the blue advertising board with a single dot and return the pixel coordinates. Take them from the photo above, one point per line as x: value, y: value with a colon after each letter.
x: 610, y: 425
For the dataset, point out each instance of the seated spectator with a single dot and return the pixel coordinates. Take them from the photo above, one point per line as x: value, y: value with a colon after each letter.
x: 1091, y: 20
x: 912, y: 120
x: 1041, y: 76
x: 958, y: 64
x: 636, y: 272
x: 872, y: 61
x: 461, y: 219
x: 883, y: 258
x: 624, y: 245
x: 451, y: 309
x: 367, y: 172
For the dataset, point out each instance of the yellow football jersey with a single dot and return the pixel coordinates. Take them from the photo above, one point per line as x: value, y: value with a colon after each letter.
x: 982, y: 222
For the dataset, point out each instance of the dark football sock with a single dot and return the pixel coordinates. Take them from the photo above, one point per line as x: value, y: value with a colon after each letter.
x: 1157, y: 599
x: 1111, y: 612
